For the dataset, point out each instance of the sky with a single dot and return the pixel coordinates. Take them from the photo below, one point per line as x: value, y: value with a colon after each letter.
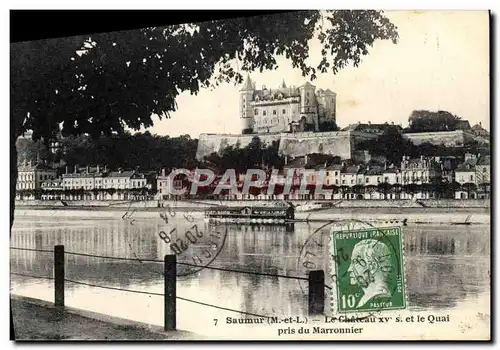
x: 441, y: 62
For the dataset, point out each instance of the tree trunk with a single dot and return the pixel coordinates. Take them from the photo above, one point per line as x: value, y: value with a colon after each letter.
x: 13, y: 181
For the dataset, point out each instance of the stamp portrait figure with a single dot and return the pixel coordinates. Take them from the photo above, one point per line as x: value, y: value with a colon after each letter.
x: 370, y: 266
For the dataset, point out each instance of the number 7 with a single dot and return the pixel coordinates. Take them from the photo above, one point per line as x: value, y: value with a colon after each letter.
x: 215, y: 320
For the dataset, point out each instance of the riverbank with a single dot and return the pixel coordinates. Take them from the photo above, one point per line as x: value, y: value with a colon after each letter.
x: 411, y: 215
x: 39, y: 320
x: 201, y: 205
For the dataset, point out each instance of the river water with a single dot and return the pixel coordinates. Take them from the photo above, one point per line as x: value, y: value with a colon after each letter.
x: 447, y: 266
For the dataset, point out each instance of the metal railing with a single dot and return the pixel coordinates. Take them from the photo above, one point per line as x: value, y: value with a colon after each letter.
x: 315, y: 279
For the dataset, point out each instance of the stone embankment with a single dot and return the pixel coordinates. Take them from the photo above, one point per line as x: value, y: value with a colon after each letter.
x: 39, y: 320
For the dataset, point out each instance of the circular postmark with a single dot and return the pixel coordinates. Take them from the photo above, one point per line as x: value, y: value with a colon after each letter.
x: 356, y: 266
x: 195, y: 244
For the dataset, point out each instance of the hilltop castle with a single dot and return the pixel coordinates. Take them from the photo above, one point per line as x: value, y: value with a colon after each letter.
x: 302, y: 119
x: 286, y: 109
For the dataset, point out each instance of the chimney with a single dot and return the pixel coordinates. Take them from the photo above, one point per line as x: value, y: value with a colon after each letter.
x: 97, y: 170
x: 88, y: 169
x: 163, y: 172
x: 286, y: 159
x: 66, y: 169
x: 75, y: 170
x: 369, y: 123
x: 480, y: 124
x: 305, y: 159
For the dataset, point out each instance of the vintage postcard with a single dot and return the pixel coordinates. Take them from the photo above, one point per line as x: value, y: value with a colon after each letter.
x: 295, y: 175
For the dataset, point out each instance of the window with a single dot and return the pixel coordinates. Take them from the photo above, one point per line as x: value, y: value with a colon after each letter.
x: 256, y: 111
x: 343, y: 182
x: 263, y: 112
x: 352, y: 181
x: 274, y: 112
x: 336, y: 173
x: 367, y: 180
x: 307, y: 93
x: 378, y: 179
x: 386, y: 179
x: 284, y: 112
x: 333, y: 100
x: 472, y: 177
x: 336, y: 182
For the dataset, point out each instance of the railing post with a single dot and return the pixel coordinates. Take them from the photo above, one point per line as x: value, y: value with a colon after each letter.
x: 170, y: 276
x: 59, y: 276
x: 316, y: 292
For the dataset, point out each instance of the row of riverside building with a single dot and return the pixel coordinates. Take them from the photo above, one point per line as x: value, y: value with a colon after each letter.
x: 416, y: 178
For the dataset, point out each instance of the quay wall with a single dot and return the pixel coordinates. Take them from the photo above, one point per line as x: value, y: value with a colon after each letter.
x: 201, y: 204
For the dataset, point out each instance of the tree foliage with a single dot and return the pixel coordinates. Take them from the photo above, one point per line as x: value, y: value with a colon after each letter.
x: 142, y: 150
x: 120, y: 79
x: 255, y: 155
x: 427, y: 121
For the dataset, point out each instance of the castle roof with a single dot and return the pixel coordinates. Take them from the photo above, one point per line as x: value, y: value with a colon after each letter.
x: 270, y: 94
x: 247, y: 85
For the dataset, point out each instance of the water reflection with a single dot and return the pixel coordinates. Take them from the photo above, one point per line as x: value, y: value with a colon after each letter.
x: 444, y: 265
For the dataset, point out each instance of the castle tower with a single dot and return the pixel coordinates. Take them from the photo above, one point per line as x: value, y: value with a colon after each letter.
x: 308, y: 104
x: 331, y: 105
x: 246, y: 107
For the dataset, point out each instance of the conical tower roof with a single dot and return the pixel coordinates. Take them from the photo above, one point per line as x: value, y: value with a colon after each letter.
x: 247, y: 85
x: 283, y: 85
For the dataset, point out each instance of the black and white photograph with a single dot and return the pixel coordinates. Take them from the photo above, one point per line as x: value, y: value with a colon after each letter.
x: 253, y: 175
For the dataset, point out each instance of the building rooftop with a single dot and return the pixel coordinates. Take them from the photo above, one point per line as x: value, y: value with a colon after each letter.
x: 484, y: 160
x: 352, y: 169
x: 375, y: 170
x: 30, y: 166
x: 369, y: 126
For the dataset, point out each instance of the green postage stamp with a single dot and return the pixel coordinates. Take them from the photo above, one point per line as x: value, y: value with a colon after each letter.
x: 369, y: 269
